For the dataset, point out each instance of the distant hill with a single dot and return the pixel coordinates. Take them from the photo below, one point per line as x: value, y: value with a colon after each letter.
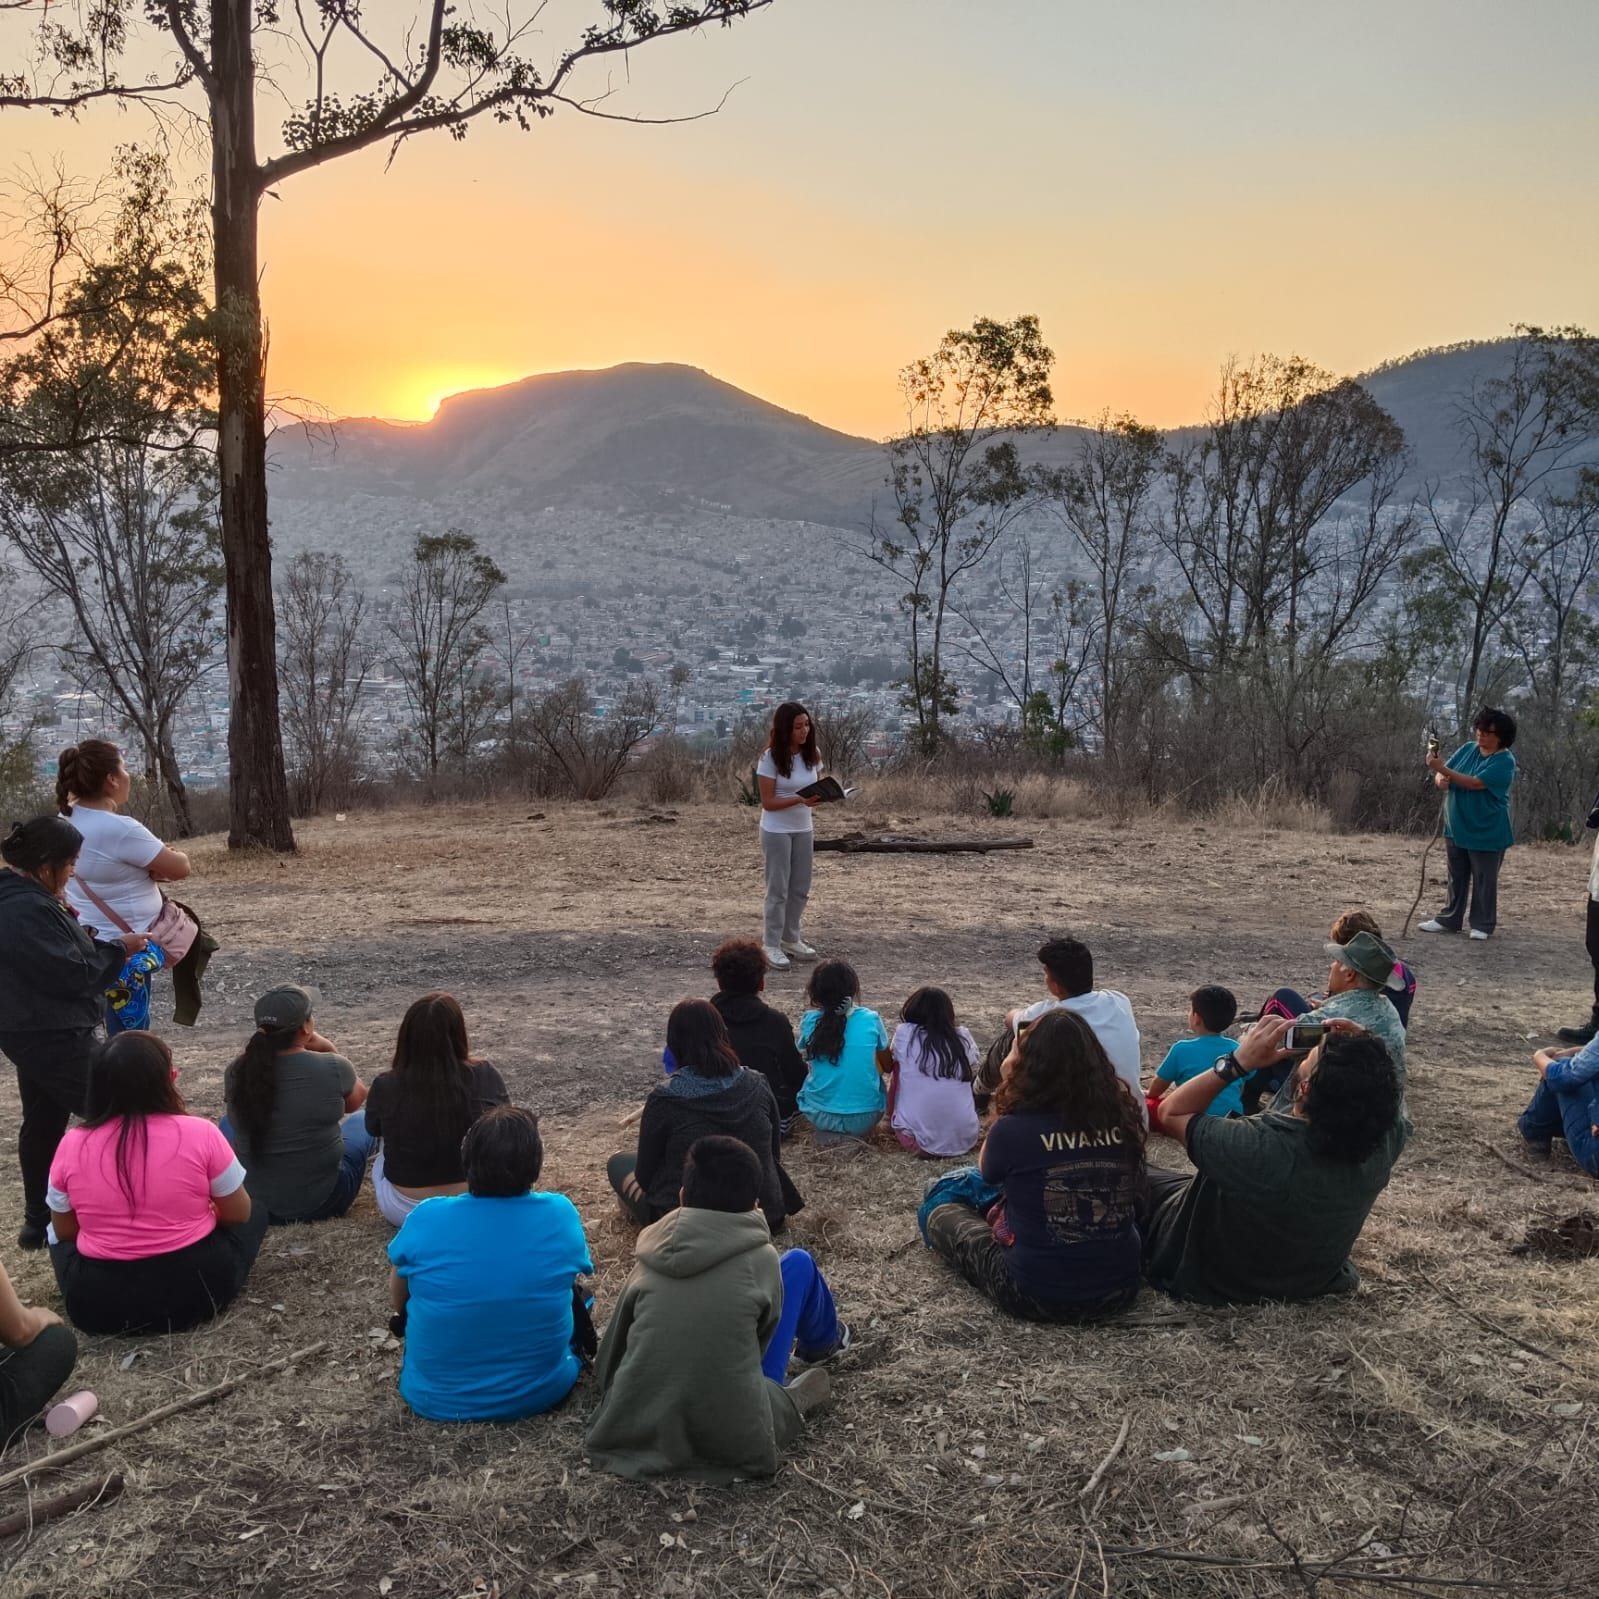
x: 643, y: 437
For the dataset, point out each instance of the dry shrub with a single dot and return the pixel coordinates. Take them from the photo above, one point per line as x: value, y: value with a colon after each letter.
x: 1274, y: 808
x: 671, y: 773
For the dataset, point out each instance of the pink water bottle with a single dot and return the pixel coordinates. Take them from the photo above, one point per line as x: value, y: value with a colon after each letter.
x: 65, y: 1418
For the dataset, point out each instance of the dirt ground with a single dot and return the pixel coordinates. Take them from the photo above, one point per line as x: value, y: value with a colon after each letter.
x: 1438, y: 1424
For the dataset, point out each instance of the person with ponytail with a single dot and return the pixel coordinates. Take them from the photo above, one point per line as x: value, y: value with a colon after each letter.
x: 292, y: 1103
x: 846, y: 1050
x: 420, y: 1109
x: 117, y: 885
x: 53, y: 978
x: 154, y: 1228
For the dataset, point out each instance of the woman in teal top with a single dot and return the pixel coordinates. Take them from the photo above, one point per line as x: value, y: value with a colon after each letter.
x: 1477, y: 778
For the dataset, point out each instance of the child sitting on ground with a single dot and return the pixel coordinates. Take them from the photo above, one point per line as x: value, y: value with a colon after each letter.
x: 930, y: 1104
x: 1211, y: 1011
x: 685, y: 1390
x: 845, y: 1045
x: 485, y: 1286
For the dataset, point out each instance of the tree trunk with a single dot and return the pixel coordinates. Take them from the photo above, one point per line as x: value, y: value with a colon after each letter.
x: 258, y: 790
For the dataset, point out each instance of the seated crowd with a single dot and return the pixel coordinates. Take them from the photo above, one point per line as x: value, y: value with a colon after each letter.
x: 156, y: 1216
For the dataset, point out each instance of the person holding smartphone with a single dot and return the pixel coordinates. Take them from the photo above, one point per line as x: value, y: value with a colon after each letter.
x: 790, y: 762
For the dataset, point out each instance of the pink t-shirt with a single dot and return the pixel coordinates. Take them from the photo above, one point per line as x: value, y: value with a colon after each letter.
x: 179, y: 1166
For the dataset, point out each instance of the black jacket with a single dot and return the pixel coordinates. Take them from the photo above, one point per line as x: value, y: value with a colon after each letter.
x: 763, y: 1040
x: 743, y: 1109
x: 53, y: 976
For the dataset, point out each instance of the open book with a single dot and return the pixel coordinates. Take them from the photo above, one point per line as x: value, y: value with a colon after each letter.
x: 825, y: 788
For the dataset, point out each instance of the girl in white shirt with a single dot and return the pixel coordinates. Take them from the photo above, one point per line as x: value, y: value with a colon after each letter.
x: 789, y: 763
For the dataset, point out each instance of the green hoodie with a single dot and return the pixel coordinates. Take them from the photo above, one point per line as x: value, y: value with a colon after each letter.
x: 682, y: 1391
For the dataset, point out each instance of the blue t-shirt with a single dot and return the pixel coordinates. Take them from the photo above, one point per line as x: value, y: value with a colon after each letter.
x: 1479, y: 818
x: 1188, y: 1057
x: 488, y: 1333
x: 852, y: 1084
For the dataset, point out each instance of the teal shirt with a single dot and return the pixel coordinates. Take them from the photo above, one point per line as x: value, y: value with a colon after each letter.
x: 1188, y: 1057
x: 1479, y: 818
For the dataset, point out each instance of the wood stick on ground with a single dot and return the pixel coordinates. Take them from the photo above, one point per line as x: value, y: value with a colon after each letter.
x: 1328, y: 1571
x: 1516, y: 1166
x: 1493, y: 1326
x: 899, y: 844
x: 91, y: 1493
x: 1110, y: 1459
x: 201, y: 1396
x: 632, y: 1118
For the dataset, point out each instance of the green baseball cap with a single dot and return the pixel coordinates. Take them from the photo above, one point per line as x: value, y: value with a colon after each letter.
x: 286, y: 1007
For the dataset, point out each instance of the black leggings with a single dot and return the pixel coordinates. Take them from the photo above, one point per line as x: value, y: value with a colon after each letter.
x: 52, y: 1080
x: 161, y: 1293
x: 31, y: 1377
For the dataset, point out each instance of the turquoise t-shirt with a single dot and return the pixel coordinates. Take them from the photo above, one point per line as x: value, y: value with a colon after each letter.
x: 852, y: 1084
x: 488, y: 1334
x: 1479, y: 818
x: 1188, y: 1057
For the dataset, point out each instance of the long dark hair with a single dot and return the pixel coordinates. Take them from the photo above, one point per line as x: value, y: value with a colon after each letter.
x: 255, y: 1081
x: 83, y: 771
x: 832, y: 986
x: 431, y: 1062
x: 943, y: 1049
x: 697, y: 1038
x: 1063, y: 1071
x: 781, y: 738
x: 130, y: 1080
x: 44, y: 843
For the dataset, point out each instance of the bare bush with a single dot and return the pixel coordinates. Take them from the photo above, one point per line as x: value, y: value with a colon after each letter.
x: 588, y: 749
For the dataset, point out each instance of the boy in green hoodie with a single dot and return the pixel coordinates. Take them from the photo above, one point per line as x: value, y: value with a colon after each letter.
x: 684, y: 1388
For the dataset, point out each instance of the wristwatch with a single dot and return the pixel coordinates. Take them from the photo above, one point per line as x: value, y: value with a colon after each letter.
x: 1228, y: 1069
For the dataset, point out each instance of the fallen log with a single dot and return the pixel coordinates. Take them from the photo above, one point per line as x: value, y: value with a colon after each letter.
x: 905, y: 844
x: 91, y: 1494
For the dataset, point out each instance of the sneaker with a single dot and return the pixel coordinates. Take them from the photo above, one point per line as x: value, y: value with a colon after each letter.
x: 1433, y: 925
x: 810, y: 1390
x: 1533, y: 1148
x: 1580, y: 1035
x: 31, y: 1237
x: 775, y: 958
x: 838, y: 1346
x: 1480, y: 937
x: 799, y: 949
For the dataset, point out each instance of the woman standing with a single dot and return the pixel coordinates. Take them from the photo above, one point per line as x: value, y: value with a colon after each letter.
x: 53, y: 978
x: 1477, y: 779
x: 117, y: 885
x: 420, y: 1109
x: 155, y: 1230
x: 1060, y: 1242
x: 789, y: 763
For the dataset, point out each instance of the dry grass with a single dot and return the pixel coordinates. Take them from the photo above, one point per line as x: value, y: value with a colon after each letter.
x: 1441, y: 1420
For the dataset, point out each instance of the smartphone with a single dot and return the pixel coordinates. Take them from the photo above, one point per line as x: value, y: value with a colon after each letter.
x: 1304, y: 1035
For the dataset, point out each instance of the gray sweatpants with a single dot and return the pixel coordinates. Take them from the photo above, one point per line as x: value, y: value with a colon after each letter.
x: 788, y: 883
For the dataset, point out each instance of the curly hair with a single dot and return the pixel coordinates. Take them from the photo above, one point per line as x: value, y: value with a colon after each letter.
x: 1062, y: 1070
x: 739, y: 966
x: 1352, y: 921
x: 83, y: 771
x: 781, y: 739
x: 1351, y: 1098
x: 832, y: 989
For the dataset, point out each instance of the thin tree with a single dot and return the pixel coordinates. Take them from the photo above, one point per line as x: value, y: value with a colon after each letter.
x: 441, y: 641
x: 123, y: 528
x: 957, y: 483
x: 324, y: 658
x: 432, y: 68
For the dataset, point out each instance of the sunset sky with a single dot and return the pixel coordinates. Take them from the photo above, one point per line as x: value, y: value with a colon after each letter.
x: 1164, y: 182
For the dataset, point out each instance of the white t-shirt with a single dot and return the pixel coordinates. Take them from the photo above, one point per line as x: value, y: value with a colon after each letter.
x: 792, y: 818
x: 114, y: 862
x: 1110, y: 1014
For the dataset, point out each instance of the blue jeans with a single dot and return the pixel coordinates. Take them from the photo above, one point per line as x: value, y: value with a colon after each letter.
x: 1553, y: 1114
x: 358, y: 1147
x: 808, y: 1321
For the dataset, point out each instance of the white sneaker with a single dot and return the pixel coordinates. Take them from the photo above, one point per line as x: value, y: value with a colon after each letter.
x: 1478, y: 936
x: 799, y: 949
x: 1433, y: 925
x: 775, y: 958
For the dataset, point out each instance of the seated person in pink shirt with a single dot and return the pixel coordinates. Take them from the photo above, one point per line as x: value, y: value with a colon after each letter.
x: 152, y: 1228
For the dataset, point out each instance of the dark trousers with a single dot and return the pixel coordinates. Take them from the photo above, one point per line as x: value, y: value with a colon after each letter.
x: 618, y: 1169
x: 52, y: 1080
x: 1593, y: 949
x: 161, y: 1293
x: 1473, y: 875
x: 32, y: 1376
x: 965, y: 1239
x: 358, y: 1147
